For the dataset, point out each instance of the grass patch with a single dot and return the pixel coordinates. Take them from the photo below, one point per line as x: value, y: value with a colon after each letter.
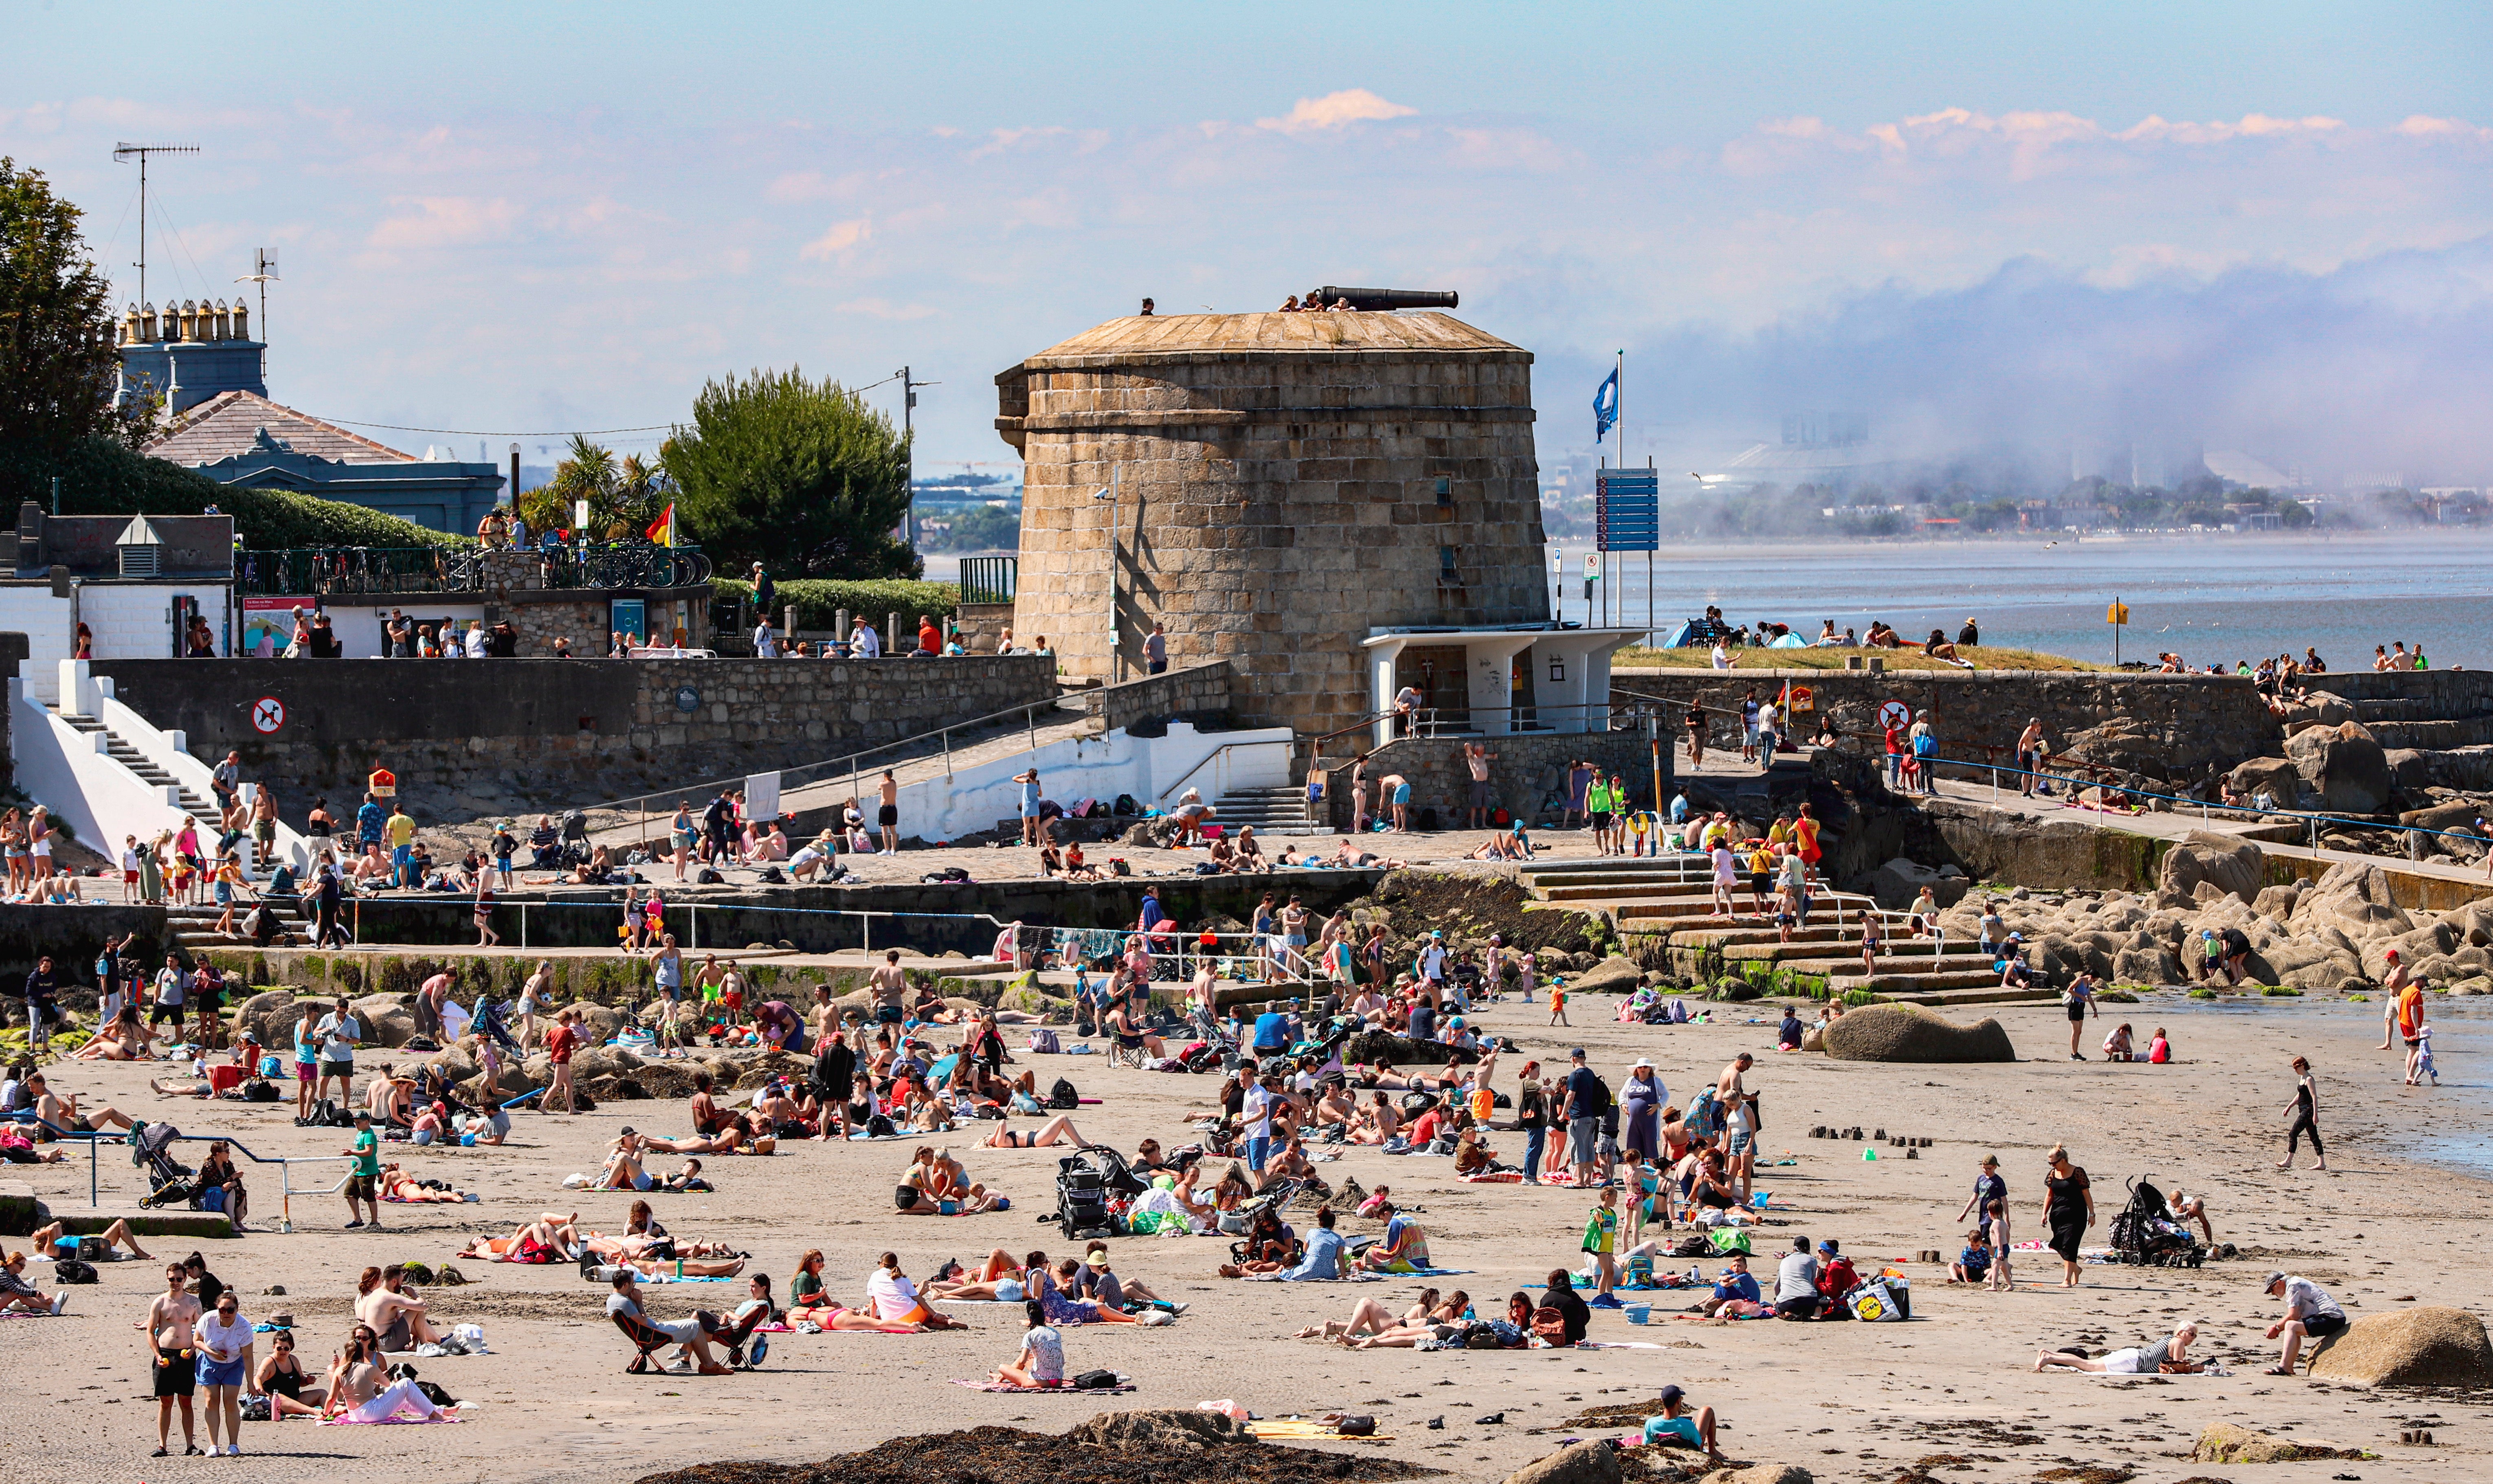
x: 1983, y: 656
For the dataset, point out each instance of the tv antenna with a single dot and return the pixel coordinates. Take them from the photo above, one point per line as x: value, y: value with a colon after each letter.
x: 141, y: 151
x: 263, y: 272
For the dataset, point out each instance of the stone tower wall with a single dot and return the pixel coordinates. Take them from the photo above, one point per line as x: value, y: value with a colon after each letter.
x: 1273, y: 506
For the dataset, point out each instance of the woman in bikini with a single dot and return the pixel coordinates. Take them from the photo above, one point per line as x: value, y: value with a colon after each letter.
x: 287, y: 1386
x: 1001, y: 1279
x: 1055, y: 1130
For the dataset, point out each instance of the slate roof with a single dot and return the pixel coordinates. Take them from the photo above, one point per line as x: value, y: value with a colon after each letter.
x: 229, y: 423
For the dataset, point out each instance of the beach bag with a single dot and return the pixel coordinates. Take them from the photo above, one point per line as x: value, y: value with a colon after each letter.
x: 72, y: 1271
x: 1874, y: 1301
x: 1095, y: 1380
x: 1062, y: 1095
x: 1042, y: 1041
x: 1729, y: 1239
x: 1549, y: 1325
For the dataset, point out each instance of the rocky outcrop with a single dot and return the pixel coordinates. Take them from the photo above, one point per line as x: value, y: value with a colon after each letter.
x: 1613, y: 975
x: 1899, y: 882
x: 1762, y: 1473
x: 2275, y: 777
x: 2229, y: 866
x: 2428, y: 1347
x: 1913, y: 1034
x: 2224, y: 1443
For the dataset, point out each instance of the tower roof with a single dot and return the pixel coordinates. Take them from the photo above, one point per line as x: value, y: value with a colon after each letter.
x: 1146, y: 338
x: 233, y: 422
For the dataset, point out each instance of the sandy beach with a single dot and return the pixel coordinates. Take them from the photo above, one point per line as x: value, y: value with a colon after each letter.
x: 1846, y: 1401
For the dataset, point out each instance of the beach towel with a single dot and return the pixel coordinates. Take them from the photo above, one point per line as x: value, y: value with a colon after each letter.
x: 1062, y: 1389
x: 1494, y: 1178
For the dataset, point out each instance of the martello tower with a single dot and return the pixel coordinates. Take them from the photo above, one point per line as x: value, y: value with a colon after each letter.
x: 1280, y: 490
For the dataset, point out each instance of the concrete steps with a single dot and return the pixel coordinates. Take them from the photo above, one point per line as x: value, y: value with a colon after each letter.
x: 1274, y: 811
x: 1783, y: 952
x: 1988, y: 994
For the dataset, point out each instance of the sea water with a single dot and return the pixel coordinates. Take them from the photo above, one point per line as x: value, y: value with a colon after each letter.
x: 2210, y: 598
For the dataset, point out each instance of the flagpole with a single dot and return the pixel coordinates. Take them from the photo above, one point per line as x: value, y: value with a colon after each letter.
x: 1619, y: 410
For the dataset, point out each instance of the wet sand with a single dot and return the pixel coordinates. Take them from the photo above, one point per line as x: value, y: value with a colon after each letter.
x: 1848, y: 1401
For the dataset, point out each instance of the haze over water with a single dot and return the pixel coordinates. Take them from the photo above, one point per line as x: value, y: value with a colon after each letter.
x: 2212, y: 598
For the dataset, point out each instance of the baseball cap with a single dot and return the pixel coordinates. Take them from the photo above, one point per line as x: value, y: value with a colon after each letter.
x: 2271, y: 1280
x: 362, y: 1116
x: 1578, y: 1054
x: 1670, y: 1394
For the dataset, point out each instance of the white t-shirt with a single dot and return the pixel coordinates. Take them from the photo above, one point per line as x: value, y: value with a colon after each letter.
x: 1766, y: 717
x: 1727, y: 868
x: 335, y: 1032
x: 1722, y: 658
x: 1797, y: 1277
x: 2309, y: 1300
x: 1257, y: 1110
x: 230, y: 1339
x: 894, y: 1297
x: 1046, y: 1354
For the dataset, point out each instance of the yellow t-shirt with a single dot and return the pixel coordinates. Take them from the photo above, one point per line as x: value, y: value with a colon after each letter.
x: 401, y: 830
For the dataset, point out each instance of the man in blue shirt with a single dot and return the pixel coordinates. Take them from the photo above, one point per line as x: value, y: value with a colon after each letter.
x: 1988, y: 1187
x: 1737, y: 1285
x: 370, y: 822
x: 1271, y: 1033
x: 1322, y: 1259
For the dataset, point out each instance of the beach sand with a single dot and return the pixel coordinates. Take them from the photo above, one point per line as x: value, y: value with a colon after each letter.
x: 1848, y: 1401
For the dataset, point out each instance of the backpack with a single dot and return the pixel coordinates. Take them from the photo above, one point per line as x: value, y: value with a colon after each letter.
x: 1043, y: 1042
x: 1126, y: 805
x: 1095, y: 1380
x: 1062, y: 1095
x: 709, y: 877
x: 72, y: 1271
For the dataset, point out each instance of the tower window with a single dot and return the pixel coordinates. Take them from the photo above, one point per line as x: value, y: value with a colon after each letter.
x: 1447, y: 572
x: 1445, y: 491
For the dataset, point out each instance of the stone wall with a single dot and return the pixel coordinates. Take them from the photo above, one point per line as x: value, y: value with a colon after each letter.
x: 982, y: 624
x: 1200, y: 694
x: 2437, y: 693
x: 501, y: 734
x: 1283, y: 485
x: 1525, y: 773
x: 72, y: 936
x: 2181, y: 726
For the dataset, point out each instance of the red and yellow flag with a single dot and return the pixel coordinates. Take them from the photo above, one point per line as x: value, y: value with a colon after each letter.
x: 663, y: 529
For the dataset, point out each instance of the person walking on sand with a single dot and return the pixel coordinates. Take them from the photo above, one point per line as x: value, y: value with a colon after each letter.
x: 2068, y: 1210
x: 2306, y: 1112
x: 2404, y: 1013
x: 2075, y: 1002
x: 169, y: 1324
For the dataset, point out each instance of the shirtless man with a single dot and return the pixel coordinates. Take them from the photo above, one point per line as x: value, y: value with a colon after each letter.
x: 396, y: 1315
x: 1378, y: 1122
x: 386, y: 1095
x: 64, y: 1112
x: 889, y: 986
x: 169, y: 1321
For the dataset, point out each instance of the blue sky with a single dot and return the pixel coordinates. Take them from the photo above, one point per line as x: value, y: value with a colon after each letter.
x: 568, y: 217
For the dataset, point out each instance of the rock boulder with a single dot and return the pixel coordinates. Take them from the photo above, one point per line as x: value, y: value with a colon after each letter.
x: 1613, y: 975
x: 2428, y: 1347
x: 1912, y: 1033
x: 1582, y: 1463
x: 2224, y: 1443
x: 2347, y: 769
x: 1762, y: 1473
x: 2276, y: 776
x: 1899, y: 882
x: 387, y: 1019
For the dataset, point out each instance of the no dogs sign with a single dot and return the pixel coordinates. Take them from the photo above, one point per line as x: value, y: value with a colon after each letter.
x: 267, y: 714
x: 1895, y: 713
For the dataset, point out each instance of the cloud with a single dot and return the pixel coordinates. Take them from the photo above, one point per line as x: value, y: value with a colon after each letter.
x: 838, y: 240
x: 885, y: 309
x: 443, y: 222
x: 1335, y: 110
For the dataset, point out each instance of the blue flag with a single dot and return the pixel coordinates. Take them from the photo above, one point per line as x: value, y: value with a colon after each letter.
x: 1606, y: 407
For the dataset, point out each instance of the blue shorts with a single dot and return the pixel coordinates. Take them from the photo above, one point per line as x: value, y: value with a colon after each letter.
x: 1739, y: 1141
x: 1401, y: 794
x: 213, y: 1373
x: 502, y: 864
x: 1258, y: 1149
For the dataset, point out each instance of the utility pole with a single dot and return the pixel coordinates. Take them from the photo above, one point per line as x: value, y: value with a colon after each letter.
x: 141, y: 151
x: 909, y: 386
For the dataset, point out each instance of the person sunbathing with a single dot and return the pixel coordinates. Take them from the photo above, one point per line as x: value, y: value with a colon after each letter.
x: 2167, y: 1356
x: 1055, y: 1130
x: 360, y: 1390
x: 688, y: 1179
x: 693, y: 1336
x: 1000, y: 1279
x: 397, y: 1184
x: 548, y: 1239
x: 1406, y: 1241
x: 122, y: 1040
x: 1377, y: 1123
x: 1369, y: 1317
x: 1058, y: 1293
x: 1440, y: 1323
x: 63, y: 1112
x: 118, y: 1235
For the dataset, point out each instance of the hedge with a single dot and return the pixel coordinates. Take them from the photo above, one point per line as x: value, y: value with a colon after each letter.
x: 99, y: 476
x: 819, y: 599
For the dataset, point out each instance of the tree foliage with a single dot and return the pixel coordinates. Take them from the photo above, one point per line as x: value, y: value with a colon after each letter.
x: 625, y: 496
x: 56, y: 360
x: 101, y: 477
x: 799, y: 475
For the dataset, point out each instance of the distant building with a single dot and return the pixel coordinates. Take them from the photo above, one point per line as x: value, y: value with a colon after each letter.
x: 241, y: 438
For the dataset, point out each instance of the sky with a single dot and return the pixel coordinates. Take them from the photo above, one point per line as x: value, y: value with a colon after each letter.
x: 2260, y: 227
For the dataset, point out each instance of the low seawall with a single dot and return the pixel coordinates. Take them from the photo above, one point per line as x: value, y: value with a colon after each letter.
x: 2196, y: 723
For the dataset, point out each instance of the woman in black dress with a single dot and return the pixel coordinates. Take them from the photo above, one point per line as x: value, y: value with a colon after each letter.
x: 2068, y: 1210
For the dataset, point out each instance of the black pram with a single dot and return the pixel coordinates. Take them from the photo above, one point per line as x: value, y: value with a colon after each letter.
x: 2146, y: 1233
x: 171, y: 1182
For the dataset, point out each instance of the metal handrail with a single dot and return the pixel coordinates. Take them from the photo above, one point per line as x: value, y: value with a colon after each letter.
x: 1201, y: 765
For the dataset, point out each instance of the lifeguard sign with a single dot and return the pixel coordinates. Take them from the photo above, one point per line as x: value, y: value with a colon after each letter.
x: 1800, y: 699
x: 382, y: 784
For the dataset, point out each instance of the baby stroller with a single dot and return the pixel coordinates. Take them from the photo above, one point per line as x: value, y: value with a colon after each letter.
x: 171, y: 1182
x: 1085, y: 1183
x: 2146, y: 1233
x: 574, y: 845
